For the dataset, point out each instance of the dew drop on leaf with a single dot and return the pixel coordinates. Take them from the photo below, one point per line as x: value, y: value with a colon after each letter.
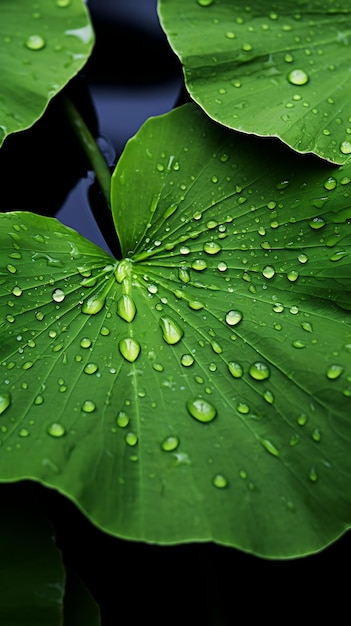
x: 126, y: 308
x: 35, y: 42
x: 270, y: 447
x: 131, y: 439
x: 170, y: 443
x: 58, y: 295
x: 172, y: 333
x: 345, y: 147
x: 201, y: 410
x: 56, y: 430
x: 5, y: 401
x: 259, y: 371
x: 187, y: 360
x: 298, y: 77
x: 334, y: 371
x: 233, y: 317
x: 85, y: 342
x: 212, y: 247
x: 129, y: 349
x: 220, y: 481
x: 90, y: 368
x: 235, y: 369
x: 199, y: 265
x: 88, y: 406
x: 122, y: 419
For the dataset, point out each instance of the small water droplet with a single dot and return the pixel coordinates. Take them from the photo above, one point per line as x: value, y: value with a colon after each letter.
x: 298, y: 77
x: 303, y: 258
x: 268, y: 271
x: 170, y: 443
x: 5, y: 401
x: 222, y: 267
x: 259, y: 371
x: 212, y: 247
x: 345, y: 147
x: 199, y: 265
x: 90, y: 368
x: 334, y: 371
x: 187, y: 360
x: 292, y: 275
x: 330, y: 183
x: 56, y: 430
x: 195, y: 305
x: 243, y: 408
x: 172, y: 333
x: 11, y: 268
x: 316, y: 435
x: 131, y: 439
x: 298, y: 344
x: 58, y: 295
x: 129, y: 349
x: 233, y: 317
x: 268, y: 396
x: 62, y: 4
x: 220, y: 481
x: 122, y: 419
x: 316, y: 223
x: 39, y: 400
x: 302, y: 419
x: 205, y: 3
x: 313, y: 476
x: 270, y: 447
x: 201, y: 410
x: 104, y: 331
x: 17, y: 291
x: 235, y: 369
x: 88, y: 406
x: 85, y: 342
x: 23, y: 432
x: 35, y: 42
x: 183, y: 275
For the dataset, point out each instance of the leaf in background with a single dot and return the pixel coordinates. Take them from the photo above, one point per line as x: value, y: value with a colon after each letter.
x: 200, y: 388
x: 277, y: 69
x: 42, y: 46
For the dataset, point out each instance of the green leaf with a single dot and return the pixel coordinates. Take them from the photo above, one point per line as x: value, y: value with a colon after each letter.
x: 42, y: 46
x: 32, y: 577
x: 277, y: 69
x: 200, y: 388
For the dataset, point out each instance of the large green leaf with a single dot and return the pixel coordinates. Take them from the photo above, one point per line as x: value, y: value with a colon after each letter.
x: 271, y: 68
x: 42, y: 46
x: 200, y: 388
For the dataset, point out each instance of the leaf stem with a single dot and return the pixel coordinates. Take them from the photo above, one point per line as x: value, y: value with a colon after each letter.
x: 90, y: 147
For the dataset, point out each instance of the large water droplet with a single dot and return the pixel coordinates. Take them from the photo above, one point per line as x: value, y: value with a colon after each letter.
x: 199, y: 265
x: 85, y: 342
x: 5, y: 401
x: 235, y: 369
x: 58, y: 295
x: 259, y: 371
x: 233, y: 317
x: 345, y: 147
x: 94, y: 304
x: 201, y: 409
x: 298, y: 77
x: 270, y: 447
x: 129, y: 349
x: 212, y: 247
x: 122, y: 419
x: 88, y: 406
x: 131, y: 439
x: 126, y: 308
x: 172, y: 333
x: 90, y: 368
x: 187, y: 360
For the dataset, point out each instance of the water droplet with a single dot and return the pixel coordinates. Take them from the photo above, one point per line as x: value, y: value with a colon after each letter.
x: 39, y: 316
x: 85, y: 342
x: 172, y: 333
x: 316, y: 435
x: 270, y: 447
x: 268, y: 271
x: 201, y: 409
x: 88, y: 406
x: 131, y: 439
x: 195, y: 305
x: 183, y: 275
x: 212, y: 247
x: 23, y: 432
x: 17, y: 291
x: 235, y: 369
x: 220, y: 481
x: 11, y: 268
x: 298, y: 77
x: 292, y: 276
x: 205, y: 3
x: 268, y: 396
x: 303, y: 258
x: 56, y: 430
x: 35, y: 42
x: 233, y: 317
x: 334, y: 371
x: 58, y: 295
x: 259, y: 371
x: 187, y: 360
x: 330, y: 183
x: 129, y: 349
x: 298, y: 344
x: 170, y: 443
x: 302, y: 419
x: 90, y: 368
x: 39, y: 400
x: 126, y: 308
x: 62, y: 4
x: 313, y: 476
x: 222, y: 267
x: 316, y: 223
x: 122, y: 419
x: 243, y: 408
x: 345, y: 147
x: 104, y: 331
x: 199, y: 265
x: 5, y: 401
x: 27, y: 365
x: 94, y: 304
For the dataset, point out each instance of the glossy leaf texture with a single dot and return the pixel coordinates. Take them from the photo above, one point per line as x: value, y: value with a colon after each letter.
x: 43, y: 45
x: 274, y: 69
x: 199, y: 388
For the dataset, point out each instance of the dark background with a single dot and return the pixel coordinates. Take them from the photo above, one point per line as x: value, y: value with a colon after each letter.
x: 132, y: 75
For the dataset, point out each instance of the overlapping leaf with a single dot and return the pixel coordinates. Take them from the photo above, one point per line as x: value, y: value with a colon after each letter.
x: 279, y: 68
x: 200, y: 388
x: 42, y: 46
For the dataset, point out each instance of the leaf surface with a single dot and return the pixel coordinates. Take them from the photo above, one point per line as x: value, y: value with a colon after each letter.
x: 198, y: 389
x: 42, y: 46
x: 273, y: 69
